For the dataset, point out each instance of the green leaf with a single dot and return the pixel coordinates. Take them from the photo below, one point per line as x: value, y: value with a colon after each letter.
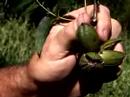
x: 29, y: 10
x: 42, y: 32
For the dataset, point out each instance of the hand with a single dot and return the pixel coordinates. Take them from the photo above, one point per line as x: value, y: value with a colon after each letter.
x: 55, y: 68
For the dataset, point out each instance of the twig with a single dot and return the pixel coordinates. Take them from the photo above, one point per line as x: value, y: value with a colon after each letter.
x: 5, y: 3
x: 85, y: 5
x: 45, y: 9
x: 58, y: 17
x: 96, y: 8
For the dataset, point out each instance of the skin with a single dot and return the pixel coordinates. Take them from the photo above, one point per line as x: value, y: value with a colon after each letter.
x: 54, y: 72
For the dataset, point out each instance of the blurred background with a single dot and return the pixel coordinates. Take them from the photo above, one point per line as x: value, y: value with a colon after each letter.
x: 24, y: 26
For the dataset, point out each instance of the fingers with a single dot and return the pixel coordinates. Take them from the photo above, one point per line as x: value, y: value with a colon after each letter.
x: 69, y: 33
x: 61, y: 37
x: 116, y: 31
x: 104, y: 23
x: 75, y: 90
x: 116, y: 28
x: 119, y: 47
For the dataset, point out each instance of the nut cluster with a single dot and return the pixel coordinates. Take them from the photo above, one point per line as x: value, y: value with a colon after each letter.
x: 96, y: 54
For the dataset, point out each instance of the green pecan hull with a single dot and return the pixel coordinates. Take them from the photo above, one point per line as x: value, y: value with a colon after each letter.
x: 112, y: 58
x: 96, y: 55
x: 88, y: 37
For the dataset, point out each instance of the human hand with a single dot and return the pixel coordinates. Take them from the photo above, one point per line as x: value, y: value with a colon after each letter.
x: 57, y: 62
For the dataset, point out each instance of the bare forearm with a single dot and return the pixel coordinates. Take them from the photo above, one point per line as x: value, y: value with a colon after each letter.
x: 15, y: 82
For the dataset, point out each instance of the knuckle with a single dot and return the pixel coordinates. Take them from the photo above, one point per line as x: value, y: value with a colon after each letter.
x: 105, y: 9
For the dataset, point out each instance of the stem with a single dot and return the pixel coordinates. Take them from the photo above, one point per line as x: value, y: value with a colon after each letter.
x: 59, y: 17
x: 45, y: 9
x: 85, y: 5
x: 95, y: 11
x: 5, y: 3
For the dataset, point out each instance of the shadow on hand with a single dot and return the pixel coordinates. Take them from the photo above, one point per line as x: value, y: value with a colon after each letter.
x: 92, y: 81
x: 111, y: 73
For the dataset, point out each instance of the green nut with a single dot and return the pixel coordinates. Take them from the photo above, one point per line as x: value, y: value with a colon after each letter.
x: 90, y: 56
x: 90, y: 60
x: 112, y: 58
x: 87, y: 36
x: 110, y: 44
x: 83, y: 62
x: 93, y: 56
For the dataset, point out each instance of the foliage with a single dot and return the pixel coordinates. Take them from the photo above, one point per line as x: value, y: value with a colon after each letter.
x: 16, y: 43
x: 30, y: 9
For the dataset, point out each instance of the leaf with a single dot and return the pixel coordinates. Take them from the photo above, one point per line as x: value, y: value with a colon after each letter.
x: 110, y: 44
x: 29, y: 10
x: 23, y: 4
x: 42, y: 32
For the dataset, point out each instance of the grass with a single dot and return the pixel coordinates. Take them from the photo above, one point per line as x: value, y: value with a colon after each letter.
x: 17, y: 41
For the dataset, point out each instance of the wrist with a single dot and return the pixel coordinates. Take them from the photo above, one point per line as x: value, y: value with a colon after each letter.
x: 15, y: 82
x: 26, y: 84
x: 34, y: 69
